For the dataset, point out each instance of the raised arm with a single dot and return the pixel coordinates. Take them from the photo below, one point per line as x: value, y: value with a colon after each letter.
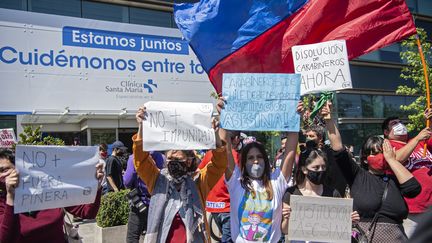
x: 290, y: 150
x: 143, y: 162
x: 405, y: 152
x: 332, y: 131
x: 401, y: 173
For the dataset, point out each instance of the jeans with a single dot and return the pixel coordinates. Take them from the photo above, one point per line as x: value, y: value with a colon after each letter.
x: 137, y: 224
x: 223, y: 221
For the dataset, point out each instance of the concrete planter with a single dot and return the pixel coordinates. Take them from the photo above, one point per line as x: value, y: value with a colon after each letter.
x: 116, y: 234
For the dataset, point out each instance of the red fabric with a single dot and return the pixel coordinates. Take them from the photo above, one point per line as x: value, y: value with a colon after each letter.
x: 421, y: 168
x: 44, y: 226
x: 366, y: 25
x: 177, y: 233
x: 218, y: 199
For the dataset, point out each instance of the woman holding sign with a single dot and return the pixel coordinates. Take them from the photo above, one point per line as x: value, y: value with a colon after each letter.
x: 256, y: 192
x: 40, y: 226
x: 309, y: 176
x: 378, y: 196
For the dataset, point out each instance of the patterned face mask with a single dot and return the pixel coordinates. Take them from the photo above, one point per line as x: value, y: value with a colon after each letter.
x: 177, y: 168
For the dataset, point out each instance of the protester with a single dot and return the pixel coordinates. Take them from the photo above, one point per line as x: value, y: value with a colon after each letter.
x: 378, y: 197
x: 39, y: 226
x: 103, y: 155
x: 309, y: 178
x: 178, y: 191
x: 410, y: 153
x: 139, y: 199
x: 218, y: 199
x: 114, y: 168
x: 334, y: 178
x: 256, y: 192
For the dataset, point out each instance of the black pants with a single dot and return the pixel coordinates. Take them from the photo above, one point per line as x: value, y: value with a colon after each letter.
x: 137, y: 224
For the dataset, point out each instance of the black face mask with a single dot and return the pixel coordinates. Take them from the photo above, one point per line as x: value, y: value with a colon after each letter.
x: 316, y: 177
x: 177, y: 168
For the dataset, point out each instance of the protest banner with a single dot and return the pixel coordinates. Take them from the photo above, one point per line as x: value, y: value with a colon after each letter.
x: 322, y: 219
x: 261, y: 102
x: 178, y: 125
x: 324, y: 66
x: 7, y: 138
x: 55, y: 176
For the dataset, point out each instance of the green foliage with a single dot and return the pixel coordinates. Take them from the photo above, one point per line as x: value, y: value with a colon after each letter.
x: 114, y: 209
x: 33, y: 136
x: 414, y: 72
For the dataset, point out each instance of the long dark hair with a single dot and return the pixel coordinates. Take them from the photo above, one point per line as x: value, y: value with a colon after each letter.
x: 372, y: 145
x: 306, y: 157
x: 245, y: 180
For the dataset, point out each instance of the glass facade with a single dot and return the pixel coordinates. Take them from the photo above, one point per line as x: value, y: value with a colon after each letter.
x: 371, y: 106
x: 95, y: 10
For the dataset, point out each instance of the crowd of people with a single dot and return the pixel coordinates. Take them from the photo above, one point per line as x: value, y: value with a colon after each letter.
x: 247, y: 195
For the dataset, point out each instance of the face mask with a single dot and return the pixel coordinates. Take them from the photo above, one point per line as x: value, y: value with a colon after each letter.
x: 316, y: 177
x: 103, y: 155
x: 377, y: 162
x: 255, y: 170
x: 400, y: 130
x: 177, y: 168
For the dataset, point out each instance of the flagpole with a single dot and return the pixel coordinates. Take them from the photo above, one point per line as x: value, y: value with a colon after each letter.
x: 428, y: 106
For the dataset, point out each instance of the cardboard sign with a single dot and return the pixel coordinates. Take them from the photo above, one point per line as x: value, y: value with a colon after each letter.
x: 178, y: 125
x: 7, y: 138
x: 324, y: 66
x: 321, y: 219
x: 55, y: 176
x: 261, y: 102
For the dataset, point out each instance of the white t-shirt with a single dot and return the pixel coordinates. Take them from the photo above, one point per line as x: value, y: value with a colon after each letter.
x: 256, y: 220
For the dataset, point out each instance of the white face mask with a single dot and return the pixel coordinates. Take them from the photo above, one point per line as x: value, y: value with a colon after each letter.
x: 399, y: 129
x: 255, y: 170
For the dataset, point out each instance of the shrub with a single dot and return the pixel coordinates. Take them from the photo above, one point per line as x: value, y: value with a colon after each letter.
x: 114, y: 209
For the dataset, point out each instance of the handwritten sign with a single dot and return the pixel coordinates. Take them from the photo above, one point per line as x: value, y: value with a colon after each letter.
x: 324, y: 66
x: 178, y: 125
x: 322, y: 219
x: 7, y: 138
x: 261, y: 102
x: 55, y: 176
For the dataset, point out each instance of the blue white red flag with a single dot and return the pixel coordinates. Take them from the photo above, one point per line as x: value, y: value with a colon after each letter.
x: 256, y: 36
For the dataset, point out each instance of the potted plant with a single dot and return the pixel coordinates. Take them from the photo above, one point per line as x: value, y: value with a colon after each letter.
x: 112, y: 218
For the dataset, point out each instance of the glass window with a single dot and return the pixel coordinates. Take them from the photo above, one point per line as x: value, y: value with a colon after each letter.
x: 424, y: 7
x: 349, y: 105
x: 385, y: 54
x: 372, y: 106
x: 99, y: 136
x: 425, y: 25
x: 14, y: 4
x: 150, y: 17
x: 412, y: 5
x: 64, y: 7
x: 8, y: 122
x: 392, y: 106
x: 376, y: 78
x: 103, y: 11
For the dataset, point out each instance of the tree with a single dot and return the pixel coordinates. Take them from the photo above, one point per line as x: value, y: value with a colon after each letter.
x: 32, y: 136
x: 414, y: 71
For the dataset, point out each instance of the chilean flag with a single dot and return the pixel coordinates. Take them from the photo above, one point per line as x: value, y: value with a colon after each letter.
x: 256, y: 36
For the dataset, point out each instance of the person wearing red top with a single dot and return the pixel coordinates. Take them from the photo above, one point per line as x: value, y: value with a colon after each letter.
x: 40, y: 226
x: 218, y: 199
x: 410, y: 151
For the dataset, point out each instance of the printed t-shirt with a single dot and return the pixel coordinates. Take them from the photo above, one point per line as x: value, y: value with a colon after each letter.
x: 256, y: 219
x: 421, y: 168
